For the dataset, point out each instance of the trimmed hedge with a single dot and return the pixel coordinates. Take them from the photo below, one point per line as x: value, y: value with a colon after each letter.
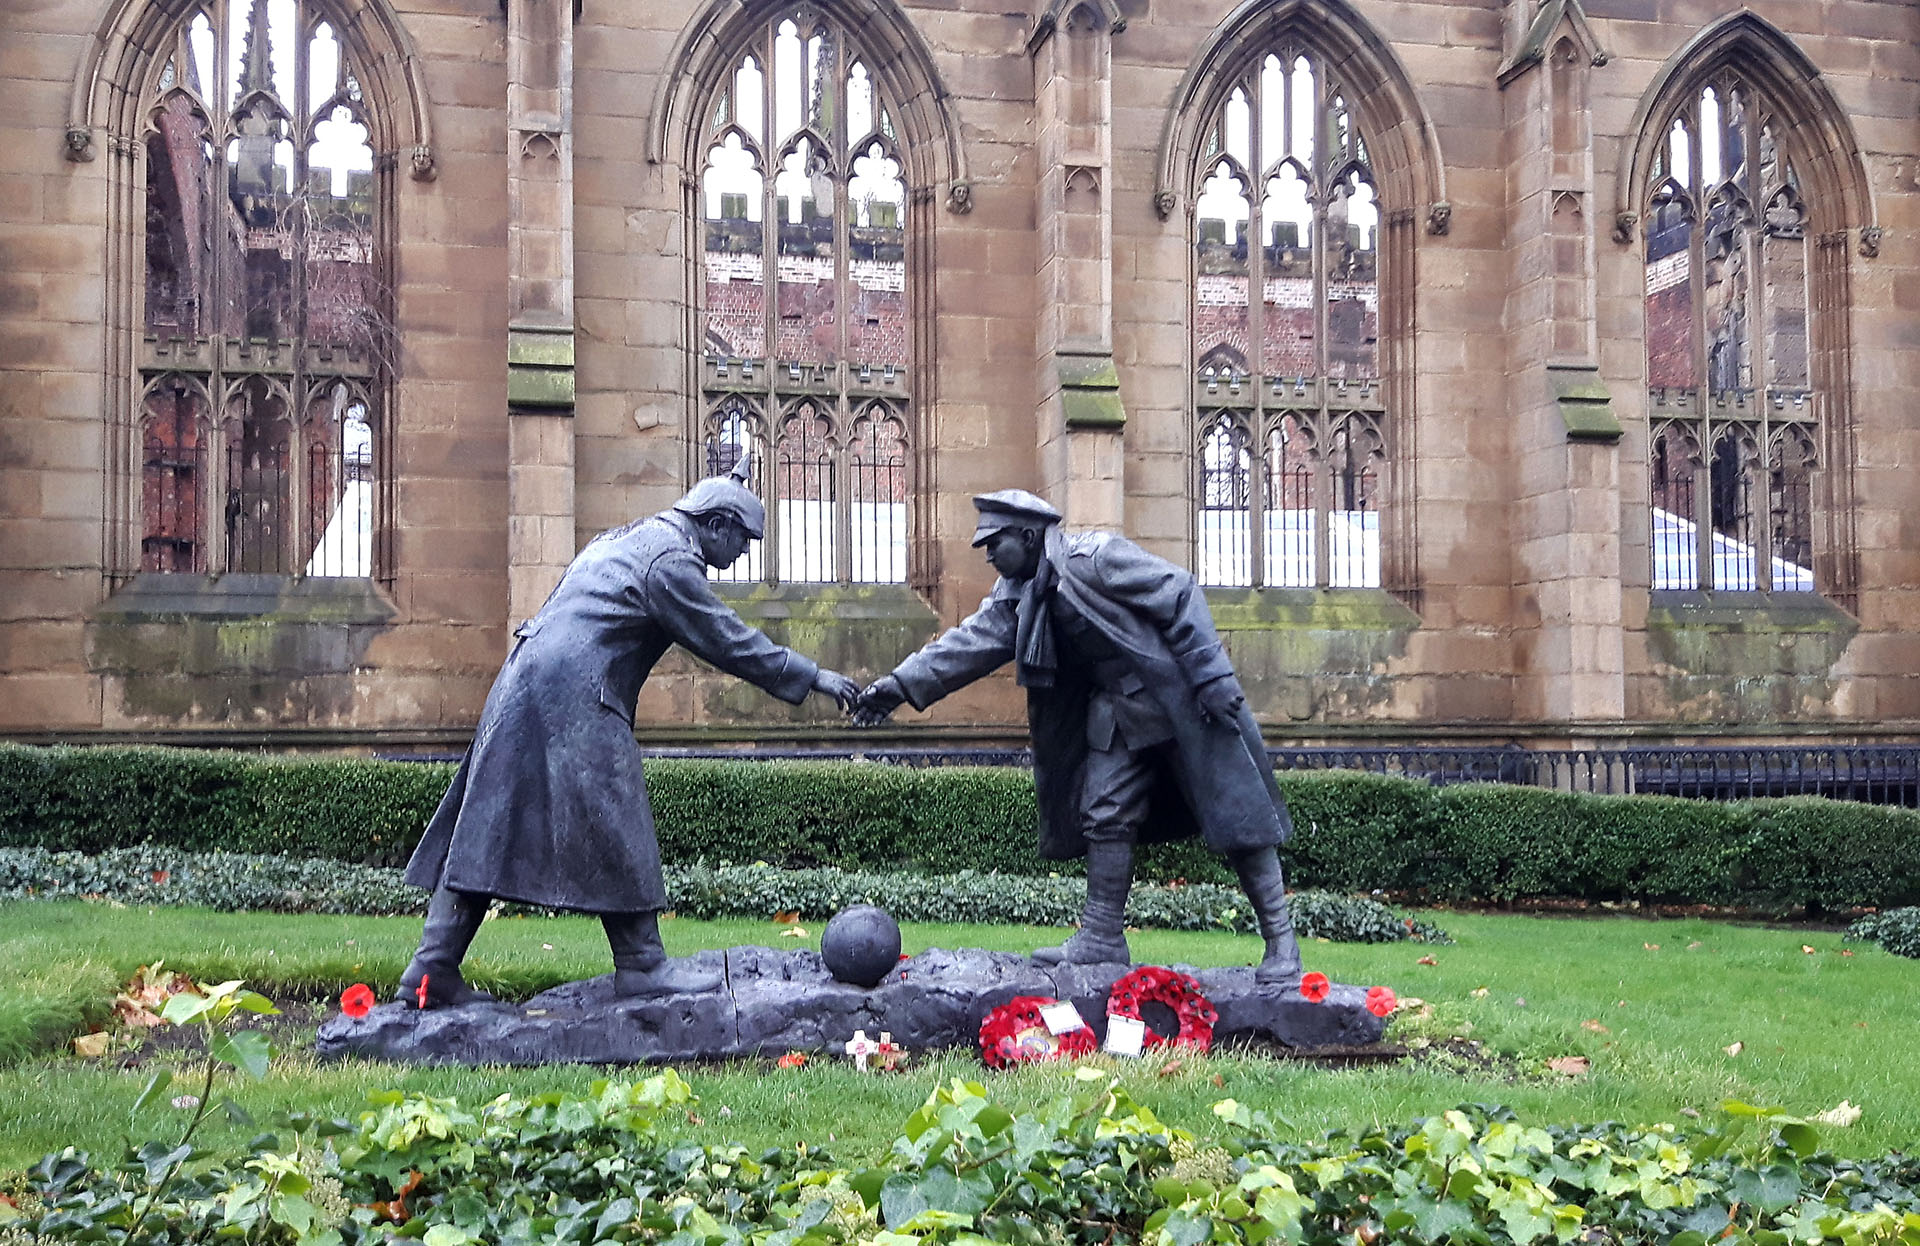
x: 1354, y: 831
x: 235, y: 882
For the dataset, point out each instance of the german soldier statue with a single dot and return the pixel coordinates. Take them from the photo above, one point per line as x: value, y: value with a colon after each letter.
x: 549, y: 806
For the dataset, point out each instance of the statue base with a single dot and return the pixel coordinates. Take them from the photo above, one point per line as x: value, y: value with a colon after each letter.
x: 773, y: 1001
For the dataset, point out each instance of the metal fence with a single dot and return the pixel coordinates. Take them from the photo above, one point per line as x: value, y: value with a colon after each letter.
x: 1887, y: 774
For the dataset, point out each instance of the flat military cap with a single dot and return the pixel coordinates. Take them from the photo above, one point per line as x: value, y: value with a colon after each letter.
x: 1012, y: 508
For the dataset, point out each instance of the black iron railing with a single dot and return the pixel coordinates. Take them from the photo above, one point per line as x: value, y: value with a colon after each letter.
x: 1878, y: 774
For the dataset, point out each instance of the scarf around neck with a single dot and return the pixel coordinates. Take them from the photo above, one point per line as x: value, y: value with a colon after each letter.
x: 1036, y: 662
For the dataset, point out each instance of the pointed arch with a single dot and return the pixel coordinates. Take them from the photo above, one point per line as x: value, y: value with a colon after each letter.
x: 1404, y: 143
x: 1742, y: 179
x: 901, y: 63
x: 1816, y: 132
x: 109, y: 83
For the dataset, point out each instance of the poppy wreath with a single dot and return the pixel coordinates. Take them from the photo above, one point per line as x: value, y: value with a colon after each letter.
x: 1179, y: 992
x: 1015, y: 1033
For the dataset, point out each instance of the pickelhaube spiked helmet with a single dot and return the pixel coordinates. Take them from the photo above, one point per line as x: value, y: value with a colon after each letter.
x: 727, y: 495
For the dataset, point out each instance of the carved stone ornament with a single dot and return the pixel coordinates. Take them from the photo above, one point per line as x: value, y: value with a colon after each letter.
x: 1870, y: 241
x: 1164, y: 202
x: 960, y: 197
x: 79, y: 144
x: 423, y: 169
x: 1439, y: 217
x: 1624, y: 226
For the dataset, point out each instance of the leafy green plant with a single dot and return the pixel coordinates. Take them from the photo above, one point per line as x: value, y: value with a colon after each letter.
x: 1086, y: 1167
x: 143, y: 1198
x: 1897, y: 930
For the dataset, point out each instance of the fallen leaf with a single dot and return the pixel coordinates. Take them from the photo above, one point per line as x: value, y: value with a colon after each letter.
x: 1843, y: 1115
x: 160, y: 877
x: 694, y: 1118
x: 725, y: 1111
x: 1219, y: 1081
x: 1859, y: 1025
x: 786, y: 919
x: 1427, y: 960
x: 1651, y: 947
x: 546, y: 947
x: 1734, y: 1048
x: 185, y: 1103
x: 1693, y: 945
x: 1520, y: 1001
x: 1478, y: 992
x: 1594, y: 1026
x: 1691, y: 1112
x: 92, y: 1046
x: 1619, y: 1003
x: 1846, y: 951
x: 1572, y: 1066
x: 794, y: 932
x: 1171, y: 1067
x: 1807, y: 948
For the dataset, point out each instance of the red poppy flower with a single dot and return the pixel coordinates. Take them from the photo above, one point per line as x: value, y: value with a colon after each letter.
x: 357, y: 1000
x: 1314, y: 987
x: 420, y: 992
x: 1381, y: 1000
x: 792, y: 1060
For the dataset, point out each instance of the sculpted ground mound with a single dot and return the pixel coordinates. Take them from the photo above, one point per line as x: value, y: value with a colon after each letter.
x: 772, y: 1001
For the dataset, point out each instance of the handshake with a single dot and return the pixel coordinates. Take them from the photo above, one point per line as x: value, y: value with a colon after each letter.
x: 870, y: 707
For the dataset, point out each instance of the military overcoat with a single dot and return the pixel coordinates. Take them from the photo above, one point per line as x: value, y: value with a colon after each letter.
x: 549, y: 805
x: 1218, y: 782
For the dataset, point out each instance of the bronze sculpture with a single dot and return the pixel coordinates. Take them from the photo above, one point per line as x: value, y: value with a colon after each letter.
x: 1140, y: 729
x: 549, y: 806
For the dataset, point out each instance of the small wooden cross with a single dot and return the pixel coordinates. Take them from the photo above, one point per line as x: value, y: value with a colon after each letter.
x: 861, y: 1048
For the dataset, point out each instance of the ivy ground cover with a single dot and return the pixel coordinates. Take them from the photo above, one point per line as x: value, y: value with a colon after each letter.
x: 1670, y: 1018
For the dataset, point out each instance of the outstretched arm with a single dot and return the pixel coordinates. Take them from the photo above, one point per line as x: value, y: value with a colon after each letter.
x: 685, y: 605
x: 980, y: 644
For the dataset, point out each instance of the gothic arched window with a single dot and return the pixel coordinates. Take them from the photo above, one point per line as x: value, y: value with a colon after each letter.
x: 1286, y: 339
x: 805, y: 328
x: 1731, y: 399
x: 264, y: 332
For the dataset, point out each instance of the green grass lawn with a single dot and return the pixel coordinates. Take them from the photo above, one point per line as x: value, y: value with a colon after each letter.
x: 1814, y: 1028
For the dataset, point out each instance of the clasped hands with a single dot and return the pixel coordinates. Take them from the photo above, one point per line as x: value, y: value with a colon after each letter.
x: 870, y: 707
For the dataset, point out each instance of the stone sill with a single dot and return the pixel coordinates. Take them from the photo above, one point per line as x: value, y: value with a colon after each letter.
x: 1746, y: 611
x: 1309, y: 609
x: 156, y: 597
x: 826, y: 603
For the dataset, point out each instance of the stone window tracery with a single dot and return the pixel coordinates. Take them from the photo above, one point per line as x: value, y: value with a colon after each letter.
x: 1288, y: 392
x: 805, y: 325
x: 1731, y: 398
x: 264, y: 344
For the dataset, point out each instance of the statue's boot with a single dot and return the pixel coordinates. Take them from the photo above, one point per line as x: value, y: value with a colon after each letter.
x: 452, y: 919
x: 641, y: 967
x: 1102, y: 937
x: 1266, y: 890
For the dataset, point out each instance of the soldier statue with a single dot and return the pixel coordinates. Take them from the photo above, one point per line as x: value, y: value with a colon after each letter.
x: 1140, y: 729
x: 549, y: 806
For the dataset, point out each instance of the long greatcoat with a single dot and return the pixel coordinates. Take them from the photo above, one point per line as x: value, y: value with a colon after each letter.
x: 549, y: 805
x: 1219, y: 784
